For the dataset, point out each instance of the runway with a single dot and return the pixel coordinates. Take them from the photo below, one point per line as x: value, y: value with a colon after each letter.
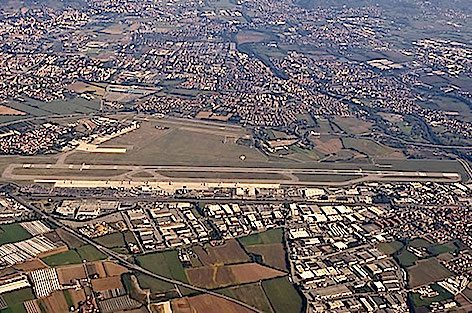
x: 156, y: 174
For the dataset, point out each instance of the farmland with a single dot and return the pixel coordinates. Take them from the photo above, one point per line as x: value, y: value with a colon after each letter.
x: 267, y: 245
x: 226, y: 275
x: 63, y: 258
x: 15, y: 299
x: 252, y: 294
x: 282, y: 295
x: 206, y: 304
x: 12, y: 233
x: 267, y: 237
x: 163, y: 263
x: 228, y: 253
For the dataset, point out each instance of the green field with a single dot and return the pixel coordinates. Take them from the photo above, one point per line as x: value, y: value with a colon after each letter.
x: 370, y: 148
x: 165, y: 263
x: 90, y: 253
x: 282, y: 295
x: 251, y: 294
x: 116, y: 241
x: 15, y: 299
x: 406, y: 258
x: 12, y: 233
x: 267, y: 237
x: 452, y: 246
x: 179, y: 146
x: 63, y: 258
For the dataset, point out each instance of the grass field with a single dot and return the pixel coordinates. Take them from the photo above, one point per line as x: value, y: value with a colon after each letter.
x: 406, y: 258
x: 175, y: 147
x: 163, y: 263
x: 15, y: 299
x: 251, y: 294
x: 153, y: 284
x: 282, y: 295
x: 90, y: 253
x: 117, y: 241
x: 371, y: 148
x: 452, y: 246
x: 64, y: 258
x: 12, y: 233
x: 268, y: 237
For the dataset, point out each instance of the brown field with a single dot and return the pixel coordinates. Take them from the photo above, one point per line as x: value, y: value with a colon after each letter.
x: 272, y: 254
x: 211, y: 276
x: 353, y: 125
x: 228, y: 253
x: 31, y: 265
x: 98, y: 268
x: 56, y: 303
x: 77, y: 296
x: 81, y: 87
x: 250, y: 272
x: 67, y: 274
x: 250, y: 37
x: 426, y: 272
x: 103, y: 284
x: 206, y: 304
x: 4, y: 110
x: 113, y: 269
x: 220, y: 276
x: 328, y: 145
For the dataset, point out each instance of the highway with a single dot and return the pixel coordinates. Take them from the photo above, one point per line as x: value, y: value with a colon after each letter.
x: 123, y: 261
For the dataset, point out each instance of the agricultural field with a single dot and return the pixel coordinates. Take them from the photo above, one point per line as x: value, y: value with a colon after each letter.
x: 206, y: 304
x: 282, y: 295
x: 12, y: 233
x: 15, y: 299
x: 268, y: 237
x: 272, y: 255
x: 63, y: 258
x: 163, y: 263
x: 252, y: 294
x: 268, y: 246
x: 353, y: 125
x: 55, y: 302
x: 227, y: 275
x: 426, y: 272
x: 117, y: 241
x: 90, y: 253
x: 228, y: 253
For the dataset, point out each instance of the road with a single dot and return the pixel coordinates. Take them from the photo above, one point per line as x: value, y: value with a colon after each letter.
x: 118, y: 257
